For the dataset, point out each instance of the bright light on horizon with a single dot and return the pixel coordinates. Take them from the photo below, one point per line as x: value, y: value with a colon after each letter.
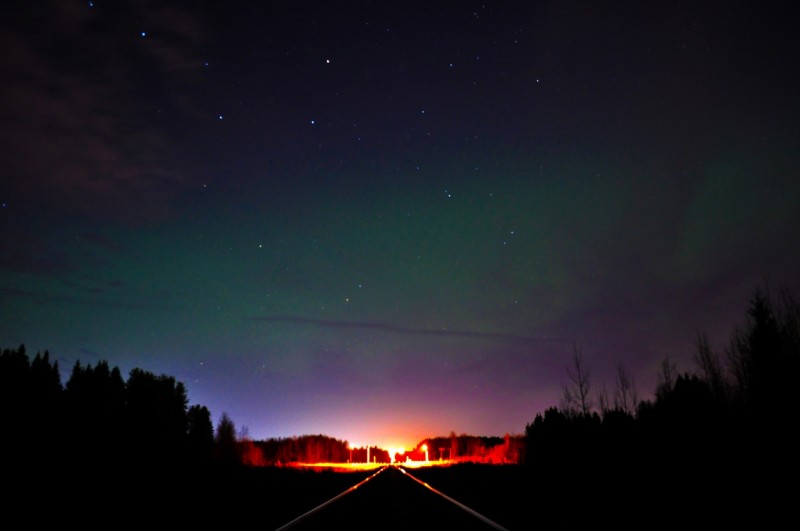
x: 394, y: 452
x: 366, y: 424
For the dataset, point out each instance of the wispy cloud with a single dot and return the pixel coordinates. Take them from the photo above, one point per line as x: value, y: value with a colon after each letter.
x: 25, y: 251
x: 40, y: 297
x: 395, y: 329
x: 79, y: 133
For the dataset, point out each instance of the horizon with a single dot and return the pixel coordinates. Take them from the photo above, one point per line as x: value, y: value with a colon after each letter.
x: 388, y: 442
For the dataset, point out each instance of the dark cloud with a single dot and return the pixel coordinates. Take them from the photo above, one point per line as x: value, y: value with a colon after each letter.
x: 28, y: 251
x: 82, y: 129
x: 104, y: 242
x: 89, y: 353
x: 43, y: 297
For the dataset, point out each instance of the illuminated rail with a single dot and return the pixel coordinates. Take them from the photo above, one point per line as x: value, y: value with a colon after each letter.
x: 458, y: 504
x: 322, y: 506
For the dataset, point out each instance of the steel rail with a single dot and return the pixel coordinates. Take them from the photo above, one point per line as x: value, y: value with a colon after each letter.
x: 457, y: 503
x: 323, y: 505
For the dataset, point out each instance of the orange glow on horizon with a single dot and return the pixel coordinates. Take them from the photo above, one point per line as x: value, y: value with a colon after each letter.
x: 354, y: 467
x: 385, y: 432
x: 338, y: 467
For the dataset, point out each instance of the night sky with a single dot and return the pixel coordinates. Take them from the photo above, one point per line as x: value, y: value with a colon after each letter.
x: 389, y: 220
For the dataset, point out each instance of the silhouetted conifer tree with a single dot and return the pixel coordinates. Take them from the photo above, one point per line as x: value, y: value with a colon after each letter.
x: 226, y: 451
x: 14, y: 403
x: 156, y: 415
x: 95, y: 401
x: 200, y: 432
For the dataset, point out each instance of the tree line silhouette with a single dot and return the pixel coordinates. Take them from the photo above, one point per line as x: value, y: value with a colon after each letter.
x: 99, y: 419
x: 748, y: 387
x: 471, y: 448
x: 302, y: 449
x: 708, y: 440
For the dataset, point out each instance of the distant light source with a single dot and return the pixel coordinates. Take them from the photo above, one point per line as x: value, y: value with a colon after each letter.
x: 393, y: 452
x: 425, y: 449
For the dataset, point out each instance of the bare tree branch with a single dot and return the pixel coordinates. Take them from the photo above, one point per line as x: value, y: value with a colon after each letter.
x: 625, y: 395
x: 576, y: 396
x: 666, y: 377
x: 602, y: 400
